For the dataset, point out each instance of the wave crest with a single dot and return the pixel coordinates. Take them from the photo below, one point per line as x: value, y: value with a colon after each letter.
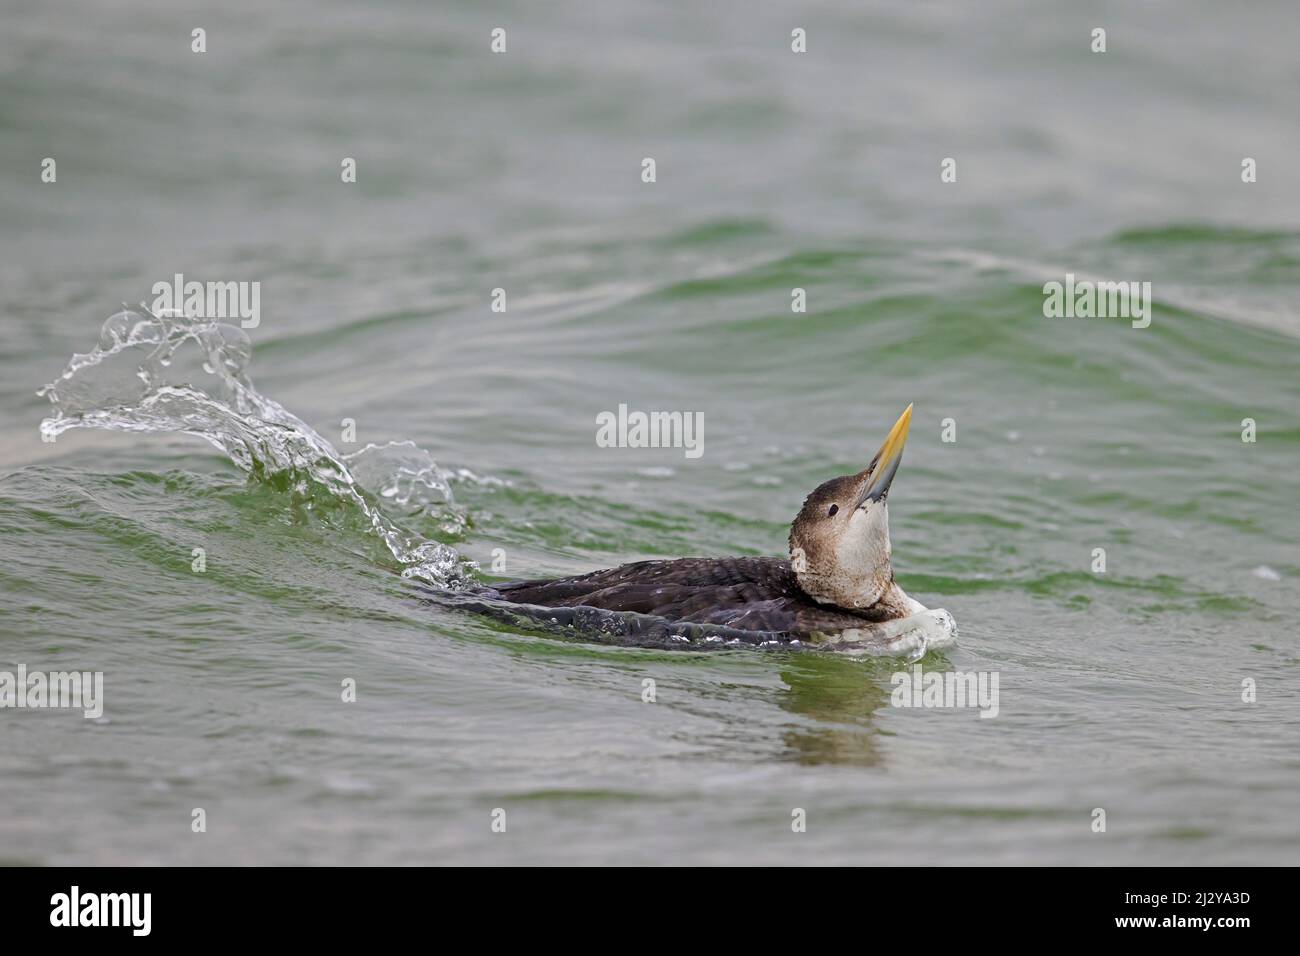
x: 160, y: 373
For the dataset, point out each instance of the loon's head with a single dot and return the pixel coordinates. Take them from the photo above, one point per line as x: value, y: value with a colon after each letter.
x: 839, y: 542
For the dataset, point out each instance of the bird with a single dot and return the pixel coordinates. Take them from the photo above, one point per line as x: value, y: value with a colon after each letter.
x: 834, y: 590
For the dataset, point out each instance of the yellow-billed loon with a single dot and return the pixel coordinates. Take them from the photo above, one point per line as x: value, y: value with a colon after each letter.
x: 836, y: 589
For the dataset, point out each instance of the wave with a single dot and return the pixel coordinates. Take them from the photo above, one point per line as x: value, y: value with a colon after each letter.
x: 1238, y: 276
x: 159, y: 372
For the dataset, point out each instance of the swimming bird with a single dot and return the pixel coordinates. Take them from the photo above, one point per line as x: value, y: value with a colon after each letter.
x: 835, y: 588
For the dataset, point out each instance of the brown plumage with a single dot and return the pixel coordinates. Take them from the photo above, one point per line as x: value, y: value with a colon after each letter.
x: 748, y: 594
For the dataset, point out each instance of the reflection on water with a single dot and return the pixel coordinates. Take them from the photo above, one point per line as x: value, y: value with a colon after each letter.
x: 840, y: 696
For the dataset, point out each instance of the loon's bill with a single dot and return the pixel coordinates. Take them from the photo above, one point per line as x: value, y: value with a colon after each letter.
x: 836, y: 588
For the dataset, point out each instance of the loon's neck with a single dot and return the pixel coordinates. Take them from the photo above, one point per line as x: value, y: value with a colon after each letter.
x: 896, y: 599
x: 893, y: 603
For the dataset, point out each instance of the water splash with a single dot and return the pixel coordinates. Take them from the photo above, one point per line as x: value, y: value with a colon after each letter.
x: 173, y: 373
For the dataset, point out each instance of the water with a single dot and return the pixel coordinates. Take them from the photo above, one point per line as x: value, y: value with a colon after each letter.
x: 475, y: 430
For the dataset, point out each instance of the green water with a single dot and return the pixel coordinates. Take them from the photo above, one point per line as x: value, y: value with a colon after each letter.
x: 1119, y: 690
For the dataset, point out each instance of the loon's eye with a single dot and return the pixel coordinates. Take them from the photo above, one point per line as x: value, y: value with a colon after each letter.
x: 832, y: 512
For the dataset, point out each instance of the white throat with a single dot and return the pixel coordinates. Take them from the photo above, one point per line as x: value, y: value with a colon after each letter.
x: 859, y: 574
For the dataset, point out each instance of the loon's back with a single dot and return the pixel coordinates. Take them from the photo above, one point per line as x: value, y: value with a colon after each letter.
x: 749, y: 594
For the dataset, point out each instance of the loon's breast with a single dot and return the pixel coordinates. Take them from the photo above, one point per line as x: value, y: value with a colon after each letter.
x: 751, y: 594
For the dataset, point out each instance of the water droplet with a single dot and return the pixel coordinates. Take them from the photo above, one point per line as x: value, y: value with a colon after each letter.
x: 117, y: 328
x: 236, y: 348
